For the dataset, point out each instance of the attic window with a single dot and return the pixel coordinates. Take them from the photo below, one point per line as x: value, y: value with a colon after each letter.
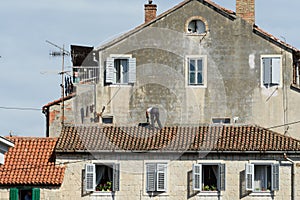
x: 196, y: 25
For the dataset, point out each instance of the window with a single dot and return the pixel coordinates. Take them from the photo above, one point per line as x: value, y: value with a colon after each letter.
x: 197, y: 71
x: 209, y: 177
x: 120, y: 70
x: 271, y: 70
x: 103, y: 178
x: 156, y: 175
x: 221, y: 120
x: 260, y: 178
x: 196, y: 26
x: 16, y: 194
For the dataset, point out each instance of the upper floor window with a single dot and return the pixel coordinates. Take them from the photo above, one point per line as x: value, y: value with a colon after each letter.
x: 196, y: 25
x: 262, y: 177
x: 156, y: 177
x: 271, y: 70
x: 208, y: 177
x: 120, y: 70
x: 197, y: 71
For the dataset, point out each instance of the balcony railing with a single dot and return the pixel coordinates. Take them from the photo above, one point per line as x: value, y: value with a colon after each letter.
x: 85, y: 74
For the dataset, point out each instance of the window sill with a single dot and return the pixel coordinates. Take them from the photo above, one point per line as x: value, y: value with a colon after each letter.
x: 121, y: 85
x: 196, y: 86
x: 262, y: 193
x: 162, y: 194
x: 209, y: 193
x: 196, y: 34
x: 100, y: 193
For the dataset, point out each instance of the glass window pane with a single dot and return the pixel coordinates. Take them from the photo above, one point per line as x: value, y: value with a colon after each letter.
x: 192, y: 78
x: 192, y: 65
x: 199, y: 78
x: 199, y: 65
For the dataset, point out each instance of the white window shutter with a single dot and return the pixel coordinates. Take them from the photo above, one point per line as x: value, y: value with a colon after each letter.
x: 90, y: 177
x: 276, y: 70
x: 110, y: 70
x: 161, y: 177
x: 266, y: 70
x: 116, y: 177
x: 249, y: 177
x: 197, y: 177
x: 151, y: 177
x: 275, y: 177
x: 132, y: 70
x: 221, y: 180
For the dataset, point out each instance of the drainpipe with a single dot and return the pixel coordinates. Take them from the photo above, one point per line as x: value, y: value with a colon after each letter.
x: 292, y: 175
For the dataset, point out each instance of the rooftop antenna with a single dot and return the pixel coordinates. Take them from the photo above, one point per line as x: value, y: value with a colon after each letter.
x: 63, y: 52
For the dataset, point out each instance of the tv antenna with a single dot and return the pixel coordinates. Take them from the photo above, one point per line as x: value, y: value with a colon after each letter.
x: 63, y: 52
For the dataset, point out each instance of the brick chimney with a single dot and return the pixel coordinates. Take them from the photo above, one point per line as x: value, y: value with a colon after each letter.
x: 150, y: 11
x: 246, y: 10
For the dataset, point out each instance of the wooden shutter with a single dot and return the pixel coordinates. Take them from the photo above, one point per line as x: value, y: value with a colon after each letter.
x: 36, y: 194
x: 197, y: 177
x: 275, y: 177
x: 151, y: 177
x: 132, y: 70
x: 161, y: 177
x: 110, y: 71
x: 116, y: 177
x: 13, y: 194
x: 249, y: 172
x: 276, y: 70
x: 267, y: 70
x: 90, y: 177
x: 221, y: 180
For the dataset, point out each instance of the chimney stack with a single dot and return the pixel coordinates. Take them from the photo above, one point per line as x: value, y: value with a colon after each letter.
x: 150, y: 11
x: 246, y: 10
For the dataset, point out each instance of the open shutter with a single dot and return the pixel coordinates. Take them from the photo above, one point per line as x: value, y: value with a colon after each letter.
x: 197, y: 177
x: 275, y: 177
x: 110, y: 70
x: 267, y: 70
x: 221, y: 180
x: 13, y: 194
x: 90, y: 177
x: 132, y: 70
x: 161, y: 177
x: 276, y: 70
x: 249, y: 172
x: 36, y: 194
x: 151, y: 177
x: 116, y: 177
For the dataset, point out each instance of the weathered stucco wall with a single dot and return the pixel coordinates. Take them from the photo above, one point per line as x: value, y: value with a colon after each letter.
x: 133, y: 184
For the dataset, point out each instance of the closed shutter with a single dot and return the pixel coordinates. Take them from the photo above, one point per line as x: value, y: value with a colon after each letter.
x: 110, y: 71
x: 276, y: 70
x: 275, y: 177
x: 13, y: 194
x: 197, y: 177
x: 151, y: 177
x: 132, y: 70
x: 249, y: 172
x: 267, y: 70
x: 36, y: 194
x: 221, y: 181
x: 116, y: 177
x: 161, y: 177
x: 90, y: 177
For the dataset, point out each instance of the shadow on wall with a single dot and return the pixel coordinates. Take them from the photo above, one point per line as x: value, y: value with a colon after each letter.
x: 190, y: 192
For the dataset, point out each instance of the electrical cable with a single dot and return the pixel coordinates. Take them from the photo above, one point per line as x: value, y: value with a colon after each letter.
x: 20, y: 108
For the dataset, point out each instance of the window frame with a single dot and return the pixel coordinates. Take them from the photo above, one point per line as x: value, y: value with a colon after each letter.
x: 157, y: 171
x: 197, y: 174
x: 204, y: 70
x: 272, y: 83
x: 274, y: 176
x: 195, y: 18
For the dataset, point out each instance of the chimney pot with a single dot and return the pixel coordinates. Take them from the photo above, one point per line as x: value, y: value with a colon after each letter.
x: 246, y: 10
x: 150, y: 11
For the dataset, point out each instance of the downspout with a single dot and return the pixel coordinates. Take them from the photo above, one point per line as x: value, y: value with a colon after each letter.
x: 292, y: 175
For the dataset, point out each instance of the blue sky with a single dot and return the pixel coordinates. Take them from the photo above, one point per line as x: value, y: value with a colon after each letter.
x: 29, y: 75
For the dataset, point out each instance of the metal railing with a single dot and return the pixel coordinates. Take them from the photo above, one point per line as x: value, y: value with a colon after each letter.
x: 85, y: 74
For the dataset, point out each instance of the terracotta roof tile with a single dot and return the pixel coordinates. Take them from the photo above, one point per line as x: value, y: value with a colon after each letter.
x: 206, y: 138
x: 30, y: 162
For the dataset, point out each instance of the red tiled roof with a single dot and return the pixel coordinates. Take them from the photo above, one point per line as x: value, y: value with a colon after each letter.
x: 58, y: 101
x: 30, y: 162
x: 173, y: 139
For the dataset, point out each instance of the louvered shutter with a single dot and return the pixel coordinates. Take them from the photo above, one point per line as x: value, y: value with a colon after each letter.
x: 116, y: 177
x: 90, y: 177
x: 151, y: 177
x: 13, y: 194
x: 36, y: 194
x: 275, y: 177
x: 132, y: 70
x: 221, y: 180
x: 249, y: 172
x: 276, y: 70
x: 197, y: 177
x: 110, y: 71
x: 267, y: 70
x: 161, y: 177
